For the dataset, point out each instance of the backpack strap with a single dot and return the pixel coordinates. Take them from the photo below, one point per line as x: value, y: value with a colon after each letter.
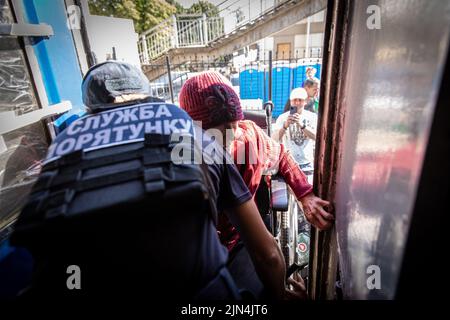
x: 212, y: 205
x: 209, y: 184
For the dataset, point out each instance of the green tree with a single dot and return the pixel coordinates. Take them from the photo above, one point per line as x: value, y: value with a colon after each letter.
x: 115, y: 8
x: 177, y: 6
x: 151, y: 13
x: 145, y: 13
x: 204, y: 7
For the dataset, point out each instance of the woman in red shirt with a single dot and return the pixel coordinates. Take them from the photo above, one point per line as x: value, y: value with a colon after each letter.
x: 210, y: 99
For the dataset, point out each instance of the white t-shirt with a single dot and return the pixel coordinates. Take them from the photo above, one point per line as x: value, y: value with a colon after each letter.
x: 300, y: 146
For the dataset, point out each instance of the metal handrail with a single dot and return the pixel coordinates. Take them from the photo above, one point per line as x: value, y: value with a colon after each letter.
x: 193, y: 33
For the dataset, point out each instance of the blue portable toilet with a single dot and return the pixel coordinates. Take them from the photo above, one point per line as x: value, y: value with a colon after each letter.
x: 318, y: 67
x: 299, y: 75
x: 251, y: 81
x: 281, y: 87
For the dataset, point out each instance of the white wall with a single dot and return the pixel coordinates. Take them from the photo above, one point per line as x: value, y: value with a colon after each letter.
x: 315, y: 40
x: 268, y: 43
x: 106, y: 32
x: 249, y: 8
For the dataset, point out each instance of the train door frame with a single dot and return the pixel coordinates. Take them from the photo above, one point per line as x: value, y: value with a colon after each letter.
x: 323, y: 263
x: 424, y: 243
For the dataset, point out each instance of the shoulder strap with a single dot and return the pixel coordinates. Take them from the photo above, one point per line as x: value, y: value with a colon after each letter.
x: 212, y: 204
x: 209, y: 184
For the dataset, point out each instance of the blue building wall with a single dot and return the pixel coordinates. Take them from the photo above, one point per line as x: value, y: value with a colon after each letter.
x: 56, y: 55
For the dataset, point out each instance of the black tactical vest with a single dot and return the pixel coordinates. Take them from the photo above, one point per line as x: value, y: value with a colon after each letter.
x: 111, y: 201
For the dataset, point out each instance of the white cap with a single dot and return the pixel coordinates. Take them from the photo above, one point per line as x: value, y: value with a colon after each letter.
x: 298, y: 93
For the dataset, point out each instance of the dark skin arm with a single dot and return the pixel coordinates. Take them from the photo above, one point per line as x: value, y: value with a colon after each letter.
x: 265, y: 253
x: 313, y: 207
x: 298, y: 291
x: 262, y: 247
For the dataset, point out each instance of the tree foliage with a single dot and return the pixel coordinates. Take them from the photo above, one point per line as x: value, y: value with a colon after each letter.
x: 114, y: 8
x: 147, y: 13
x: 205, y: 7
x: 179, y: 8
x: 152, y: 12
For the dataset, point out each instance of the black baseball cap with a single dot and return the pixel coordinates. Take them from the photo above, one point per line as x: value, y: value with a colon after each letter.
x: 108, y: 80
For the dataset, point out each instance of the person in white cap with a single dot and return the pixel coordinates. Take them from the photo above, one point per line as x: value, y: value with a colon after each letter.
x: 296, y: 129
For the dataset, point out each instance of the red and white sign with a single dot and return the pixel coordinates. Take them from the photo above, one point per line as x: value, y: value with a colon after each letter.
x: 302, y: 247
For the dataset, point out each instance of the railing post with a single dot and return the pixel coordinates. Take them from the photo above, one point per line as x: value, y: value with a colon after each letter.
x: 308, y: 30
x: 169, y: 74
x: 270, y: 75
x: 205, y: 30
x: 175, y: 31
x: 144, y: 49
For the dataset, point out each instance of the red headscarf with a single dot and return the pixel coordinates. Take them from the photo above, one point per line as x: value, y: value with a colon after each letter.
x: 210, y: 98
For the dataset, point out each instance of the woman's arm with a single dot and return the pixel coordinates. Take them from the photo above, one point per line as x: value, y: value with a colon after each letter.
x: 296, y: 180
x: 262, y: 247
x: 313, y: 206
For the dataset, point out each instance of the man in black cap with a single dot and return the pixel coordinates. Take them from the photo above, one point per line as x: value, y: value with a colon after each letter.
x: 113, y: 84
